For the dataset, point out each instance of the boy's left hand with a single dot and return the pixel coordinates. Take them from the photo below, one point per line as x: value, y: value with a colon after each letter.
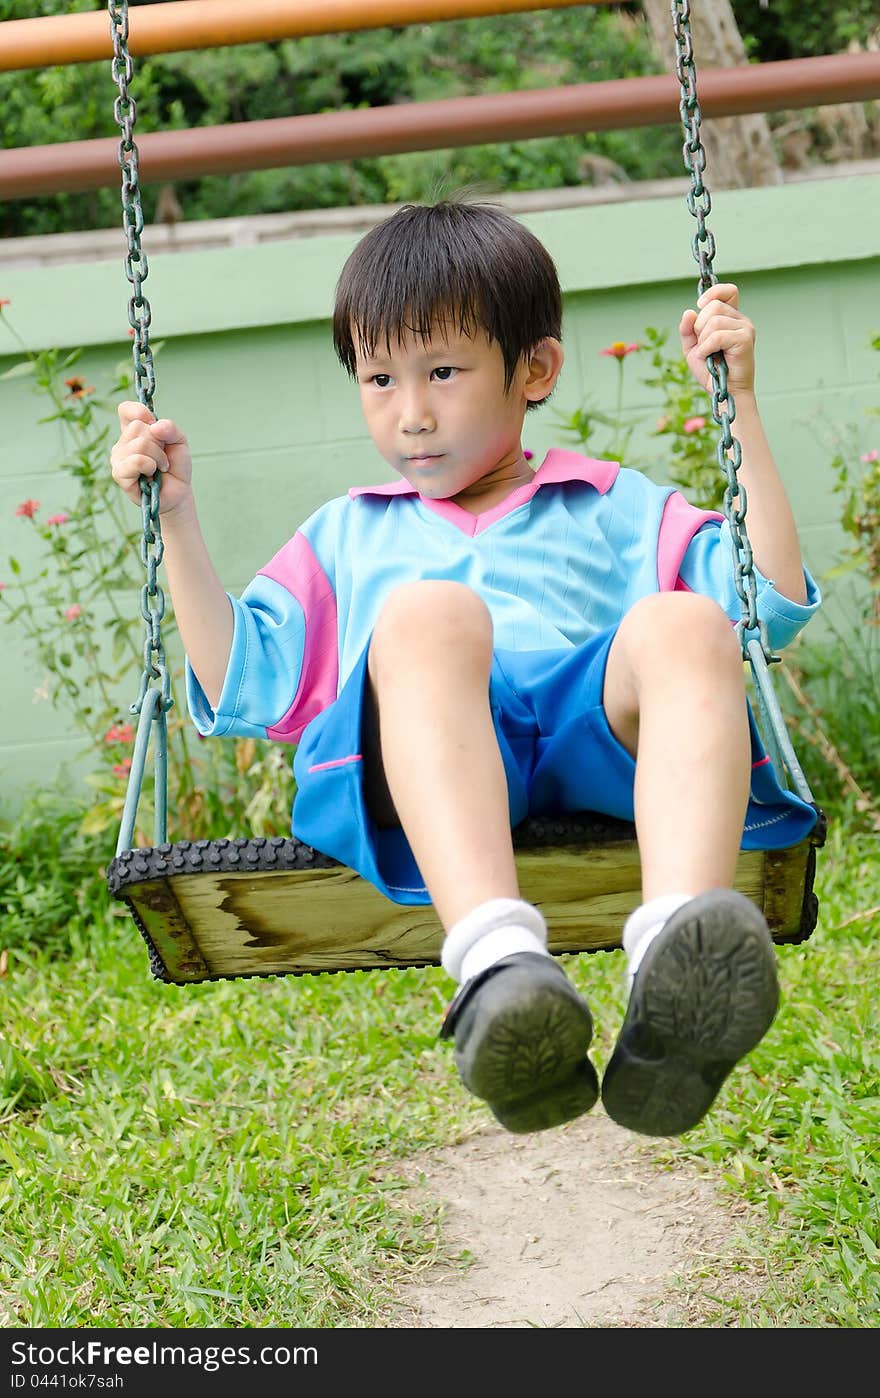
x: 719, y: 324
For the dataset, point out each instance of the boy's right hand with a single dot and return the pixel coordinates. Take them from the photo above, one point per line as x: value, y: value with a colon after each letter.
x: 147, y: 445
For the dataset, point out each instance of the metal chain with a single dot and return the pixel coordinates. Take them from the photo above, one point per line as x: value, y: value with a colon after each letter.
x: 152, y: 703
x: 136, y: 269
x: 729, y: 452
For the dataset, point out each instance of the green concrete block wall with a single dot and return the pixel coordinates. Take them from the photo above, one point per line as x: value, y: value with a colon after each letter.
x: 248, y: 370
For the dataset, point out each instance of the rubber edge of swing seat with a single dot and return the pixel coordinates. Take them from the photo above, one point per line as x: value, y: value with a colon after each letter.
x: 279, y: 853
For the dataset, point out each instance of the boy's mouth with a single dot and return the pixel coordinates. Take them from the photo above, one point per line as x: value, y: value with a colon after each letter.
x: 419, y: 460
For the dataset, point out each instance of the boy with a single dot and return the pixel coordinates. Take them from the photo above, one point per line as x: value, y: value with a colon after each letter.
x: 478, y: 641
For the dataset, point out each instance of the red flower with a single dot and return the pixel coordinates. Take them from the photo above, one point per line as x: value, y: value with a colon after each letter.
x: 58, y: 519
x: 122, y: 769
x: 4, y: 301
x: 73, y: 612
x: 77, y: 387
x: 119, y: 733
x: 619, y: 350
x: 28, y: 508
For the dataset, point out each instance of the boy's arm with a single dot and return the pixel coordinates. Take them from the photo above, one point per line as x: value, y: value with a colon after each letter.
x: 769, y: 519
x: 719, y: 324
x: 202, y: 609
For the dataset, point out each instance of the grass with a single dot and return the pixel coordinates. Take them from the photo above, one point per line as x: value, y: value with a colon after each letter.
x: 230, y: 1155
x: 797, y: 1135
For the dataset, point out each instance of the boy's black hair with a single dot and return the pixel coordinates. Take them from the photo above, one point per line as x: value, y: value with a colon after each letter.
x: 469, y: 262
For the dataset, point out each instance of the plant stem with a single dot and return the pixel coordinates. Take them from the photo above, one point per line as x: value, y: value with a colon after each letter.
x: 618, y: 410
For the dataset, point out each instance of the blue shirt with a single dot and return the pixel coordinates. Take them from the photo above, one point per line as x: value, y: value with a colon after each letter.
x: 562, y: 558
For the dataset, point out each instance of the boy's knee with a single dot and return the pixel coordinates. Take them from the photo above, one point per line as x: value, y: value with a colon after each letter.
x: 673, y: 622
x: 432, y: 612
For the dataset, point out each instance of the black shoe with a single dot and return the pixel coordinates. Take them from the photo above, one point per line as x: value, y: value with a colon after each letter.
x: 705, y: 993
x: 521, y: 1038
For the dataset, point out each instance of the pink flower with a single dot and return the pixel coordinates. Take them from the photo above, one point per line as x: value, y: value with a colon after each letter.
x: 28, y: 508
x: 122, y: 769
x: 73, y: 612
x: 61, y: 518
x: 619, y: 350
x: 4, y: 301
x: 662, y: 424
x: 873, y: 455
x: 119, y: 733
x: 2, y: 587
x: 693, y: 424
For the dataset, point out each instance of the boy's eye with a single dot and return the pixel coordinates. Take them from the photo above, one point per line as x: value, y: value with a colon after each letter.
x: 381, y: 380
x: 444, y: 372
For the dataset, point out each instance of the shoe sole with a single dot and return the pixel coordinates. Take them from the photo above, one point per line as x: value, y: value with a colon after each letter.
x: 525, y: 1052
x: 705, y: 994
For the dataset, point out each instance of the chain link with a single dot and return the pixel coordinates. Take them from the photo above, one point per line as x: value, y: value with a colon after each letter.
x: 729, y: 452
x: 136, y: 270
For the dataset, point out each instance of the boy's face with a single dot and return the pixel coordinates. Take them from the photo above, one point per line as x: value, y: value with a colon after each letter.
x: 439, y: 413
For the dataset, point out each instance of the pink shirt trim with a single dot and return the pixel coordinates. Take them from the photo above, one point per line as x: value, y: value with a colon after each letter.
x: 337, y: 762
x: 680, y: 522
x: 297, y: 569
x: 558, y: 466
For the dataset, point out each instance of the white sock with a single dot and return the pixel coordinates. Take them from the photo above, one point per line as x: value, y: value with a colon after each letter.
x: 489, y: 932
x: 642, y: 926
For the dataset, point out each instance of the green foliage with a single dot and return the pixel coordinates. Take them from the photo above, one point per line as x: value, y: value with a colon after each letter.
x: 840, y: 679
x: 690, y: 458
x: 803, y: 28
x: 340, y: 72
x: 78, y: 613
x: 859, y: 487
x: 52, y: 880
x: 82, y: 562
x: 590, y: 425
x: 829, y: 696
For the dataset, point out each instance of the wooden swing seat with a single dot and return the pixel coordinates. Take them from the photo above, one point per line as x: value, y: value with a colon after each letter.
x: 224, y: 909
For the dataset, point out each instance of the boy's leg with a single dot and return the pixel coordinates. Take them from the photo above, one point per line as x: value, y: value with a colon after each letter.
x: 429, y: 665
x: 701, y: 960
x: 674, y: 696
x: 521, y: 1031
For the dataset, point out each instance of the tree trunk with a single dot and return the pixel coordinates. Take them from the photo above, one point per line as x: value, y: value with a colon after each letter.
x: 739, y: 150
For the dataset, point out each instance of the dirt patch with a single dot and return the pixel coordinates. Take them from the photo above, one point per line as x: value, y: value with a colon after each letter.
x: 575, y: 1227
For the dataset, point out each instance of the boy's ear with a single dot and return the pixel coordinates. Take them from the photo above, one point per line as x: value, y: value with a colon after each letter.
x: 543, y: 366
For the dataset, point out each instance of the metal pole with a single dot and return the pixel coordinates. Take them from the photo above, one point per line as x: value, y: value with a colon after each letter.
x: 460, y: 121
x: 205, y: 24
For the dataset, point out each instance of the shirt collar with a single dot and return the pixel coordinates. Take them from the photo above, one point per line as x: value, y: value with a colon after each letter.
x: 558, y: 467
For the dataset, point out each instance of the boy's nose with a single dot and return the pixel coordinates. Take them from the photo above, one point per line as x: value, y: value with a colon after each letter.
x: 415, y: 416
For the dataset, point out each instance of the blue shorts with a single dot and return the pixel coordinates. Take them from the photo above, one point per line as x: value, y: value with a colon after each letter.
x: 558, y: 751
